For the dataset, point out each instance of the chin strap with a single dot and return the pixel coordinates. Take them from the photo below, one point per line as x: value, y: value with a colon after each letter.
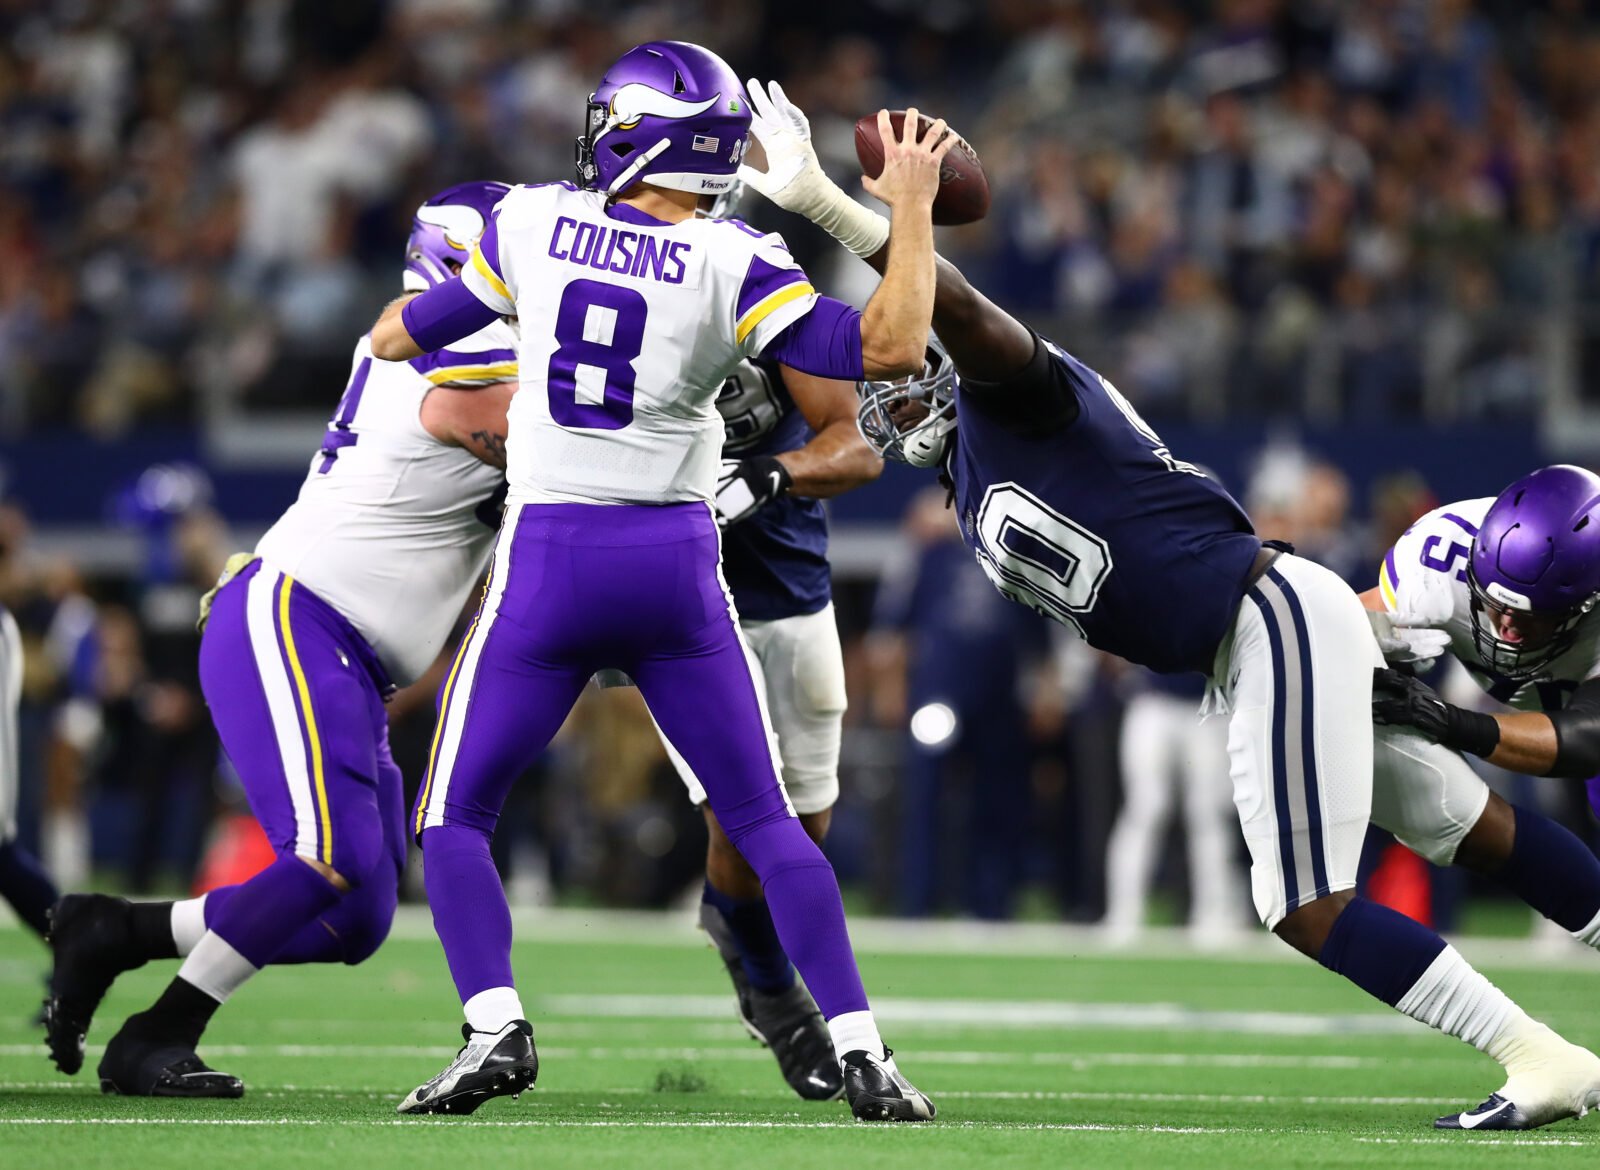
x: 624, y: 180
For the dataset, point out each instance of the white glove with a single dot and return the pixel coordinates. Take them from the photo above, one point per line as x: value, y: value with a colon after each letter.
x: 794, y: 179
x: 1407, y: 637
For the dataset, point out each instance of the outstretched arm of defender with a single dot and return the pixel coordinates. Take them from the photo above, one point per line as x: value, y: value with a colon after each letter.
x: 986, y: 343
x: 836, y: 458
x: 894, y: 325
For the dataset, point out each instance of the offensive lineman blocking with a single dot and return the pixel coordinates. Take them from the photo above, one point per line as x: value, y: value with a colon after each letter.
x: 1506, y: 586
x: 353, y: 590
x: 1075, y: 507
x: 633, y: 310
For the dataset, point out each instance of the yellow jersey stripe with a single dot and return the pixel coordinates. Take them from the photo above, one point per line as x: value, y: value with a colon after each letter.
x: 1386, y: 588
x: 500, y: 372
x: 483, y: 270
x: 444, y: 703
x: 318, y: 780
x: 768, y: 305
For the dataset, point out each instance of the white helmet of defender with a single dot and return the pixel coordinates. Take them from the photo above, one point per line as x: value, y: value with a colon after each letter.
x: 911, y: 419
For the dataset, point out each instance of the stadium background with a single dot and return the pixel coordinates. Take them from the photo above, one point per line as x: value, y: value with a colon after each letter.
x: 1346, y: 253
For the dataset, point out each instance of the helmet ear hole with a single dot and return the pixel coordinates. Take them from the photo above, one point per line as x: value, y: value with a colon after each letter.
x: 622, y: 149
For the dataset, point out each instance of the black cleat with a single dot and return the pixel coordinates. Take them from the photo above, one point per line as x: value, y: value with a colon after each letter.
x: 490, y: 1064
x: 787, y: 1022
x: 141, y: 1065
x: 92, y: 941
x: 877, y: 1091
x: 790, y: 1024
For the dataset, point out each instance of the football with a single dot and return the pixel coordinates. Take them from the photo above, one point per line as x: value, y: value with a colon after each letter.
x: 963, y: 187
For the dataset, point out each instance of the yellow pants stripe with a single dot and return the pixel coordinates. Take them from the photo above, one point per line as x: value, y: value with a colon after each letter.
x: 319, y: 782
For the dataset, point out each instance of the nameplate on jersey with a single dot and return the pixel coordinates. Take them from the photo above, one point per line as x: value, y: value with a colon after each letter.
x: 619, y: 250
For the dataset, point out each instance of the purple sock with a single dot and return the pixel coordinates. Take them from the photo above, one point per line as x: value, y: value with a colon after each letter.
x: 803, y: 897
x: 1592, y: 786
x: 470, y: 914
x: 1552, y: 871
x: 1380, y: 950
x: 24, y: 883
x: 750, y: 925
x: 267, y: 911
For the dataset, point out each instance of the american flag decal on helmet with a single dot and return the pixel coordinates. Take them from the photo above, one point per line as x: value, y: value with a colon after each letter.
x: 706, y: 143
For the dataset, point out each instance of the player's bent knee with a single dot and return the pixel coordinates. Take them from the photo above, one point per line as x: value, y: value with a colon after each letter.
x: 366, y: 931
x: 359, y: 850
x: 1307, y: 927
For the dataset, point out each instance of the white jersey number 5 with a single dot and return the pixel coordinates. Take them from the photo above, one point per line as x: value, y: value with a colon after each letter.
x: 1039, y: 557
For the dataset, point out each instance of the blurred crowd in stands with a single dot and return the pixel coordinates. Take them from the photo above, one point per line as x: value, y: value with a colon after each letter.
x: 1342, y: 208
x: 1336, y: 210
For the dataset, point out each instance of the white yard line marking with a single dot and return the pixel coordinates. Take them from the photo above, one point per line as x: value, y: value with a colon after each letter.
x: 1008, y: 1014
x: 622, y: 1123
x: 273, y: 1091
x: 1077, y: 1060
x: 1478, y: 1141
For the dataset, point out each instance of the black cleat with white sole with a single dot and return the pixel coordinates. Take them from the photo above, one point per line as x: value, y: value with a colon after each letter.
x: 877, y: 1091
x: 1495, y: 1113
x: 92, y: 941
x: 490, y: 1064
x: 140, y: 1065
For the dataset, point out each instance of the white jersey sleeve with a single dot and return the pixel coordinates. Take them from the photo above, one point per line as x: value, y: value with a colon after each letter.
x: 392, y: 527
x: 1424, y: 577
x: 774, y: 294
x: 629, y: 325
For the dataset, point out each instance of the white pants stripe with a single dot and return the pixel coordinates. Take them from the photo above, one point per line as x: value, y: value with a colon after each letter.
x: 457, y: 695
x: 261, y: 619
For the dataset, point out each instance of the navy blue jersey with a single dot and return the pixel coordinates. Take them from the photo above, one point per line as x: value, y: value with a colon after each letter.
x: 776, y: 561
x: 1091, y: 520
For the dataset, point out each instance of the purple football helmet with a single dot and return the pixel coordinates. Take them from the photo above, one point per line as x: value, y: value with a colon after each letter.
x: 1535, y: 569
x: 444, y: 230
x: 666, y: 113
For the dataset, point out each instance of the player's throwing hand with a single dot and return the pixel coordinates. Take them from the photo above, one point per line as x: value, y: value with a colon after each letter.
x: 910, y: 167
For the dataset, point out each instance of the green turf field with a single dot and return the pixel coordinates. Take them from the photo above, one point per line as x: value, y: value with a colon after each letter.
x: 1039, y: 1048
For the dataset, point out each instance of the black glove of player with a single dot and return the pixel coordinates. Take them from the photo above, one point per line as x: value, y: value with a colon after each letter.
x: 1401, y: 700
x: 746, y: 485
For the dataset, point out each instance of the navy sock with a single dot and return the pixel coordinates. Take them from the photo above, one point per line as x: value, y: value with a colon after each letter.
x: 1553, y: 871
x: 24, y: 883
x: 766, y: 964
x: 1380, y: 950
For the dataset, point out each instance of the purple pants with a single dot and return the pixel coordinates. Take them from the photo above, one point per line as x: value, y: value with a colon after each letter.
x: 297, y: 697
x: 577, y: 588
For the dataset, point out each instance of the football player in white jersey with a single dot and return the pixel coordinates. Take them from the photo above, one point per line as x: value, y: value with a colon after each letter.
x: 633, y: 309
x: 351, y: 593
x: 1507, y: 586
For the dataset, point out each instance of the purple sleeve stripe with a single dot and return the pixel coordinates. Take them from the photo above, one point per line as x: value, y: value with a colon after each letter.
x: 446, y: 312
x: 1470, y: 529
x: 441, y: 358
x: 1388, y: 563
x: 761, y: 280
x: 826, y: 342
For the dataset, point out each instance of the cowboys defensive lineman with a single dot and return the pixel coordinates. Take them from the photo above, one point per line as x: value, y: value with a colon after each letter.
x: 1075, y: 507
x: 1507, y: 586
x: 791, y: 440
x: 352, y: 592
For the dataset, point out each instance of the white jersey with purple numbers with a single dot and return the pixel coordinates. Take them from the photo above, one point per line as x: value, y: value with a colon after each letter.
x: 1425, y: 574
x: 392, y: 527
x: 629, y: 326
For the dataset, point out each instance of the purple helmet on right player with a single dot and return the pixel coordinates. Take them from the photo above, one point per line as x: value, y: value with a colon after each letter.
x: 666, y: 113
x: 1535, y: 569
x: 444, y: 230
